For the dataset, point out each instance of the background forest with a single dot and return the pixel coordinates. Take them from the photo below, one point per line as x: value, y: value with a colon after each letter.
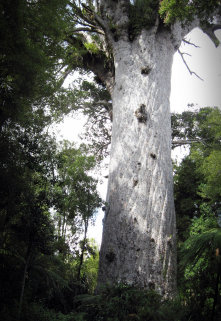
x: 48, y: 193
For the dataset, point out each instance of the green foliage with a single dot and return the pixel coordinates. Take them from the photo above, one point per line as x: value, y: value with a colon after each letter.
x: 37, y: 312
x: 201, y: 266
x: 208, y: 154
x: 187, y: 201
x: 36, y: 176
x: 91, y: 47
x: 75, y: 195
x: 123, y: 302
x: 197, y: 179
x: 211, y: 169
x: 142, y: 14
x: 31, y: 46
x: 37, y: 264
x: 197, y: 198
x: 184, y: 125
x: 94, y: 101
x: 89, y: 268
x: 172, y: 10
x: 202, y: 125
x: 186, y: 11
x: 32, y: 173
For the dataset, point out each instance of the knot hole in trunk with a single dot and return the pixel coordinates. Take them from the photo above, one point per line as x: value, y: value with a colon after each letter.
x: 141, y: 114
x: 145, y: 70
x: 110, y: 256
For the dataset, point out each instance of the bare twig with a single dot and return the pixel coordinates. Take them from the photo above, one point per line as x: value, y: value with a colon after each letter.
x: 180, y: 142
x: 190, y: 43
x: 190, y: 71
x: 177, y: 143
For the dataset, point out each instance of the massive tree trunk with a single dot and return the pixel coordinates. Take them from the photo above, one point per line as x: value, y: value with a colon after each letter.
x: 138, y: 245
x: 132, y: 56
x: 139, y: 234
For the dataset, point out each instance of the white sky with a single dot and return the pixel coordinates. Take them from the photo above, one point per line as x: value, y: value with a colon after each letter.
x: 205, y: 61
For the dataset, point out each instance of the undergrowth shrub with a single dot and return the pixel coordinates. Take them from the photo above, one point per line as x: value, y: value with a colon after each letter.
x: 37, y: 312
x: 125, y: 303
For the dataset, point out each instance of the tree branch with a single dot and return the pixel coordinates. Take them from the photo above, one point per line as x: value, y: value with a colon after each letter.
x: 190, y: 43
x: 156, y: 25
x: 190, y: 71
x: 85, y: 29
x: 209, y: 30
x: 180, y: 142
x: 79, y: 13
x: 99, y: 21
x: 177, y: 143
x: 64, y: 75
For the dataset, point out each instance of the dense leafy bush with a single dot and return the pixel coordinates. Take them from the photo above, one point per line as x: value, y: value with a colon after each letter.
x: 124, y: 302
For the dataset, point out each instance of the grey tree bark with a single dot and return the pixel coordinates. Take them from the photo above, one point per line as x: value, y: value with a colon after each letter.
x: 138, y: 245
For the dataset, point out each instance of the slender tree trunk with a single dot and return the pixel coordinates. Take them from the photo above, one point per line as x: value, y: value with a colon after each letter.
x: 63, y: 232
x: 216, y: 293
x: 21, y: 299
x: 83, y: 248
x: 138, y: 245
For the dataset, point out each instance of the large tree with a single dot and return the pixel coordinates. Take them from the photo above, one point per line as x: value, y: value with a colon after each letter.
x: 129, y: 46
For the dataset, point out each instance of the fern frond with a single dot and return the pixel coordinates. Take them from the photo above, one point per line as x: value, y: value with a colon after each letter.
x: 87, y: 299
x: 5, y: 252
x: 200, y: 245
